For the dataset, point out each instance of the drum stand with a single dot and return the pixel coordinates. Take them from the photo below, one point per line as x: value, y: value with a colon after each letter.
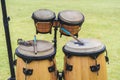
x: 60, y: 74
x: 8, y: 40
x: 55, y: 37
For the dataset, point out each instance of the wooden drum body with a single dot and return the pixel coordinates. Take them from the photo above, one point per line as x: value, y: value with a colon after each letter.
x: 43, y: 19
x: 70, y: 20
x: 85, y: 62
x: 40, y: 66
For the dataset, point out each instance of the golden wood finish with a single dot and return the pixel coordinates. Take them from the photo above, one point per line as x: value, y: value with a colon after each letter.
x: 40, y: 70
x: 43, y: 27
x: 72, y: 29
x: 81, y: 68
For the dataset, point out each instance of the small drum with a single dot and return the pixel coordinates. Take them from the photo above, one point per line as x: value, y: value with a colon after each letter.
x: 85, y: 62
x: 70, y: 20
x: 43, y: 19
x: 40, y: 66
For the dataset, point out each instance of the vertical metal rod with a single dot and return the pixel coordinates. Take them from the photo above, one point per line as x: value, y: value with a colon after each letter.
x: 8, y: 41
x: 55, y: 36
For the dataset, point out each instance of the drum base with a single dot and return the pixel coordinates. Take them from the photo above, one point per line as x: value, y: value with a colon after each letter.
x: 40, y: 70
x: 43, y: 27
x: 81, y: 68
x: 72, y: 29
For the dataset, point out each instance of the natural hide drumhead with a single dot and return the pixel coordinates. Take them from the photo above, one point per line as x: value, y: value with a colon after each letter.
x: 89, y: 47
x: 44, y: 49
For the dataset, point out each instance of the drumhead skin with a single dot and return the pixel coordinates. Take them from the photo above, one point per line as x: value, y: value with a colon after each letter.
x: 71, y: 17
x: 89, y: 47
x: 43, y: 15
x: 45, y: 50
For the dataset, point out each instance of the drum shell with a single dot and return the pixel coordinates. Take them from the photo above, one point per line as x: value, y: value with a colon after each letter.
x: 42, y: 63
x: 39, y: 67
x: 85, y: 62
x: 73, y: 29
x: 43, y: 27
x: 43, y: 20
x: 81, y: 68
x: 71, y: 20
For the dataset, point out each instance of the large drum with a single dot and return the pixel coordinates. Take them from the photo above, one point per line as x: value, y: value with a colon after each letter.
x: 85, y: 62
x: 70, y: 20
x: 43, y: 19
x: 36, y: 66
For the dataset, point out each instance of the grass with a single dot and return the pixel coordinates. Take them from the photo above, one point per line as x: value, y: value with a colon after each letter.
x: 102, y: 21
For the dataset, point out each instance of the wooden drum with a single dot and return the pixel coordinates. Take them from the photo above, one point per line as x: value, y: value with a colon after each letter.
x: 85, y: 62
x: 39, y: 66
x: 70, y: 20
x: 43, y: 19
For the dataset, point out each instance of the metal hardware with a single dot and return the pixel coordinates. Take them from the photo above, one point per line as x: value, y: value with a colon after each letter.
x: 69, y: 55
x: 27, y: 72
x: 8, y: 40
x: 106, y: 57
x: 69, y: 67
x: 11, y: 79
x: 94, y: 56
x: 25, y: 43
x: 51, y: 68
x: 27, y: 61
x: 8, y: 18
x: 15, y: 62
x: 95, y: 68
x: 60, y: 74
x: 55, y: 37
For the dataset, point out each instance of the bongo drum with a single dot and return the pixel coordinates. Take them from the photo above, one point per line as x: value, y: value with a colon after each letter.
x: 70, y: 20
x: 43, y: 19
x: 85, y: 62
x: 40, y: 66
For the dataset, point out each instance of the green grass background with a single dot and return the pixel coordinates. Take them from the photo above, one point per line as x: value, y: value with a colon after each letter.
x: 102, y: 21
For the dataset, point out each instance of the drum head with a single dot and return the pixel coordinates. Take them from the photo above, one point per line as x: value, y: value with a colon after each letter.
x: 45, y: 50
x: 90, y: 47
x: 71, y: 17
x: 43, y: 15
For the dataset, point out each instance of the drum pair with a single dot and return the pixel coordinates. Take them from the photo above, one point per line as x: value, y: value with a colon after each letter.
x: 81, y: 62
x: 71, y: 20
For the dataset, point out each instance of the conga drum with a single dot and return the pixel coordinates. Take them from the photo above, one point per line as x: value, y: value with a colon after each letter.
x: 43, y: 19
x: 39, y: 66
x: 85, y: 62
x: 70, y: 20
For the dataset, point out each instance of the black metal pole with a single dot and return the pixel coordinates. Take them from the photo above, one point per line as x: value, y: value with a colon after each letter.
x: 8, y: 41
x: 55, y: 36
